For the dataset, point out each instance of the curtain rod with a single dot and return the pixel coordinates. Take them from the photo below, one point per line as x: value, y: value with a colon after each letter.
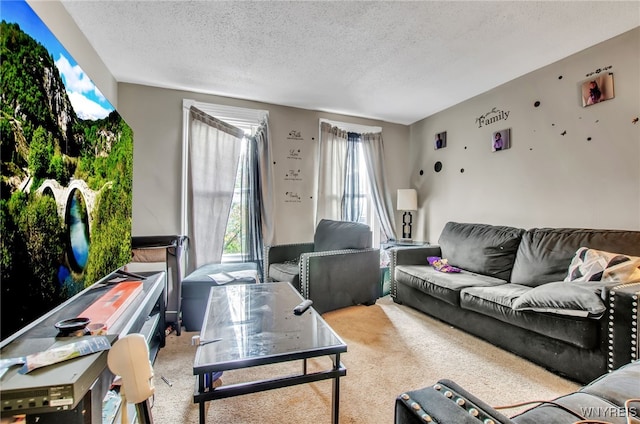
x: 358, y: 128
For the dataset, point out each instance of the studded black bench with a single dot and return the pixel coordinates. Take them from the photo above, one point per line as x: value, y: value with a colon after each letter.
x: 610, y: 398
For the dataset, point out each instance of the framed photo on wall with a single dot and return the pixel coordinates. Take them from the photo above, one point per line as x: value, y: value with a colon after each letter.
x: 501, y: 140
x: 597, y: 89
x: 440, y: 140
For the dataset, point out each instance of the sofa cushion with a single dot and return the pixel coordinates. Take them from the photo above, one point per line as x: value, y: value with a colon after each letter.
x: 480, y: 248
x: 594, y: 409
x: 544, y: 255
x: 496, y: 302
x: 444, y: 286
x: 504, y: 294
x: 338, y: 235
x: 286, y: 271
x: 563, y: 298
x: 596, y: 265
x: 618, y: 386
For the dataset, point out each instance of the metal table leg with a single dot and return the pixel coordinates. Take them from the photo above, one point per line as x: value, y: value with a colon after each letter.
x: 335, y: 401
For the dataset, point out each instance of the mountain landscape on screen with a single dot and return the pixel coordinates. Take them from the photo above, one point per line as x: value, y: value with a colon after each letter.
x: 67, y: 165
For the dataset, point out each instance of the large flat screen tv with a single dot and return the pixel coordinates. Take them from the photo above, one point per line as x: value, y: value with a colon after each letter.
x: 67, y: 165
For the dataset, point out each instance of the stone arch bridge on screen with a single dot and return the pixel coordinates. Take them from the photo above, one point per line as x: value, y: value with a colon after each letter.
x: 63, y: 196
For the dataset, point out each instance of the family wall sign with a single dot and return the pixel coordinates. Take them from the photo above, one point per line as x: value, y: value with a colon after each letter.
x: 494, y: 115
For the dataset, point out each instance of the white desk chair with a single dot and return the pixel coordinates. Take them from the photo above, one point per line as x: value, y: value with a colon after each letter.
x: 129, y: 358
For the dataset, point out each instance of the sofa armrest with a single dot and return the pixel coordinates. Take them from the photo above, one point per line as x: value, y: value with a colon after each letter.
x: 409, y: 256
x: 335, y: 279
x: 280, y: 253
x: 413, y: 255
x: 621, y: 320
x: 445, y: 403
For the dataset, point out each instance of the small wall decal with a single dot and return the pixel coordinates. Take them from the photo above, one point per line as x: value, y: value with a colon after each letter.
x: 293, y: 175
x: 440, y: 140
x: 501, y: 140
x: 292, y: 197
x: 597, y: 89
x: 437, y: 166
x: 294, y: 135
x: 494, y: 115
x: 635, y: 120
x: 537, y: 103
x: 294, y: 154
x: 597, y: 71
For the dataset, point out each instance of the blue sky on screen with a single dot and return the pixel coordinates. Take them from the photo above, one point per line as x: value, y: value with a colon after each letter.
x: 85, y: 97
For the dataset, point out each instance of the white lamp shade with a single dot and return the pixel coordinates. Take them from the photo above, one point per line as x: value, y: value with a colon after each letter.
x: 407, y: 199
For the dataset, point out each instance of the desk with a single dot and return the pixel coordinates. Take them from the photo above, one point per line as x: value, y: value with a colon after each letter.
x: 85, y: 380
x: 257, y: 326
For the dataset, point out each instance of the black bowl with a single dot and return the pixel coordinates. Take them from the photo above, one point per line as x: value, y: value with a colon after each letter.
x: 67, y: 326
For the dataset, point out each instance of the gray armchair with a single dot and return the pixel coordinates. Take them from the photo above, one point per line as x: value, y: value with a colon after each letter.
x: 338, y: 269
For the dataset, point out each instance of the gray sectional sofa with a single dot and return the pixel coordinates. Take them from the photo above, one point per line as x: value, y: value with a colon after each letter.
x: 512, y: 292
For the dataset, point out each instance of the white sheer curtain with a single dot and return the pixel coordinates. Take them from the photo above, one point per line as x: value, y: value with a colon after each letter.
x: 213, y: 150
x: 373, y: 150
x: 332, y: 170
x: 332, y: 159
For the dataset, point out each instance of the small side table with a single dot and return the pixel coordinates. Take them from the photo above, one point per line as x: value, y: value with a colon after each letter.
x: 403, y: 243
x: 385, y: 259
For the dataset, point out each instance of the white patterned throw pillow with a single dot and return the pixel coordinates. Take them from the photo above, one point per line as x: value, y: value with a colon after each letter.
x: 597, y: 265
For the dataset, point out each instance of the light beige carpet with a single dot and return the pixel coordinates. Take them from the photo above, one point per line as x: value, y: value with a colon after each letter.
x: 391, y: 349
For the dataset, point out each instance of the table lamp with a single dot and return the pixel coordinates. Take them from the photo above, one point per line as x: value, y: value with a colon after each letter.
x: 407, y: 201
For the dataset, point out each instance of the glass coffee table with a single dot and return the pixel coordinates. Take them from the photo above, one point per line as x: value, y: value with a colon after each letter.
x: 254, y: 324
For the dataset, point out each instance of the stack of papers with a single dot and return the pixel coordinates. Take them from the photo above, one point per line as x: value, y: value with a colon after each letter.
x: 227, y: 277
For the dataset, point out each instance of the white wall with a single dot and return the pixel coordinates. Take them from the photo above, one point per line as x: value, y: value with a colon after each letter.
x: 545, y: 178
x: 155, y: 115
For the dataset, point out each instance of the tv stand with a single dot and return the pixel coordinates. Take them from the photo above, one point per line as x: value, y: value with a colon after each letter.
x: 78, y: 385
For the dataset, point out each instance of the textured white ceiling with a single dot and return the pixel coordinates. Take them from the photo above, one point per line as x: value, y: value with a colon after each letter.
x: 394, y: 61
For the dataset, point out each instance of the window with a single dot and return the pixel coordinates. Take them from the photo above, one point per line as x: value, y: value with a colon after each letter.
x: 247, y: 120
x: 365, y: 200
x: 236, y: 235
x: 359, y: 197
